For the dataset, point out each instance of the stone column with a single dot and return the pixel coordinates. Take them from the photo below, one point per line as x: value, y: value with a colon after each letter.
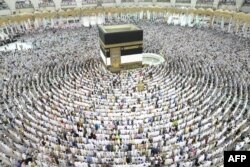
x: 26, y: 25
x: 52, y: 22
x: 11, y: 4
x: 12, y: 30
x: 212, y: 21
x: 172, y: 2
x: 29, y: 22
x: 237, y: 26
x: 216, y: 4
x: 244, y: 29
x: 222, y: 23
x: 7, y: 31
x: 193, y: 3
x: 239, y: 4
x: 136, y: 2
x: 118, y: 2
x: 35, y: 4
x: 58, y: 4
x: 36, y: 24
x: 154, y: 2
x: 229, y: 25
x: 79, y: 3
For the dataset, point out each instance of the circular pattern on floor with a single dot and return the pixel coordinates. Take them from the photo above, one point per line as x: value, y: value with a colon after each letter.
x: 78, y: 112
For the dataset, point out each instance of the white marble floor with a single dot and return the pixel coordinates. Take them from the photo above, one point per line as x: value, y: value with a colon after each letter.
x: 16, y: 45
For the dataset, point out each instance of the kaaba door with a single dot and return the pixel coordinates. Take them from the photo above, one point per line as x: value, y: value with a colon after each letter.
x: 115, y: 55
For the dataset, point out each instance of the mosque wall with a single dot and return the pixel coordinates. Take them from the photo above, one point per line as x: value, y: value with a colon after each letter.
x: 57, y: 5
x: 245, y: 9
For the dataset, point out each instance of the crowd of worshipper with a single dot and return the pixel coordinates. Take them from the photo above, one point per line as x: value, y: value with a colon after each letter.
x: 23, y: 4
x: 108, y: 1
x: 247, y: 2
x: 197, y: 44
x: 7, y: 40
x: 46, y: 3
x: 61, y: 107
x: 3, y: 5
x: 228, y: 2
x: 89, y: 1
x: 124, y: 1
x: 68, y: 2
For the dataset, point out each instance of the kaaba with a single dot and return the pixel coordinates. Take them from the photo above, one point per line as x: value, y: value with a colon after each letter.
x: 121, y: 46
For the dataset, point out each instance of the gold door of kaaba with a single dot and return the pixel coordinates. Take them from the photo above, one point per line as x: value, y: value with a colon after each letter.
x: 115, y: 54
